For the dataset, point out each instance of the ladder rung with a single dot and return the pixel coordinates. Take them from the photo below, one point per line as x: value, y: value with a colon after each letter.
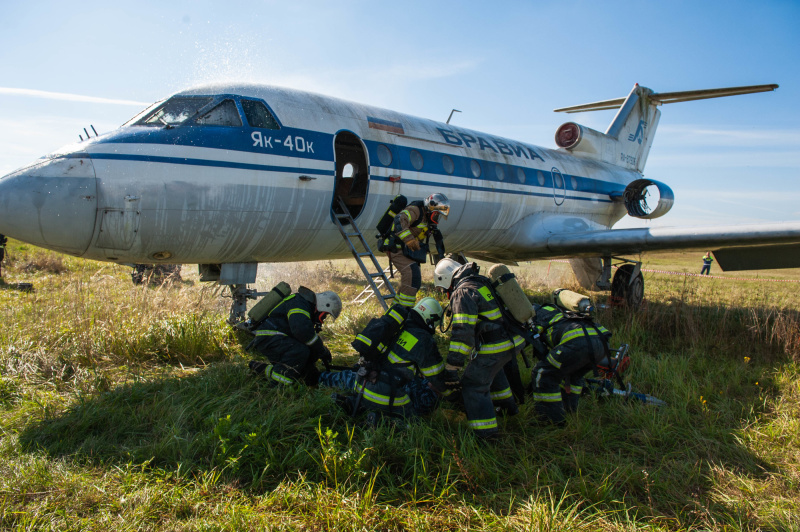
x: 365, y: 254
x: 342, y: 215
x: 353, y: 234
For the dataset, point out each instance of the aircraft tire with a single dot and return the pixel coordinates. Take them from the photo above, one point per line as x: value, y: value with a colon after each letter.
x: 625, y: 291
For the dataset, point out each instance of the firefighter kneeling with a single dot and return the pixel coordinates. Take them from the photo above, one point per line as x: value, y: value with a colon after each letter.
x: 576, y: 345
x: 288, y: 337
x: 401, y: 370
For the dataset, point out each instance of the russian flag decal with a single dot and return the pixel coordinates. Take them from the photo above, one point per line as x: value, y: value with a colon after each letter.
x: 386, y: 125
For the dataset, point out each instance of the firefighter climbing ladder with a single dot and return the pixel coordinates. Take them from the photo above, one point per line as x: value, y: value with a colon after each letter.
x: 377, y: 278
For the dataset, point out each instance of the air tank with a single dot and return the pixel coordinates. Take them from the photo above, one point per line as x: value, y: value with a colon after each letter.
x: 572, y: 301
x: 261, y: 309
x: 506, y: 285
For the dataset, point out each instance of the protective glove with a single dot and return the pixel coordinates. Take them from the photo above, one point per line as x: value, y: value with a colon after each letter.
x: 325, y: 355
x: 413, y: 245
x: 456, y: 359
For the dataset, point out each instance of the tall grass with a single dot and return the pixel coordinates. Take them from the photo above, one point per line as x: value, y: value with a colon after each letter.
x: 131, y: 407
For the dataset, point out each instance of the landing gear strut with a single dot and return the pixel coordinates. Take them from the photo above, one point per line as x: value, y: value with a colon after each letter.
x: 240, y: 294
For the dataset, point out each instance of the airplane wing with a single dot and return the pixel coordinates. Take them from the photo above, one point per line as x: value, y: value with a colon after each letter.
x: 739, y: 247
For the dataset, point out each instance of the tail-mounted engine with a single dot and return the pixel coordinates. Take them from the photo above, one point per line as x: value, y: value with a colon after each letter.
x: 645, y: 198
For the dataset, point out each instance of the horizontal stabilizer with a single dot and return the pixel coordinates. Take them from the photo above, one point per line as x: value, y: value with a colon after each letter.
x: 671, y: 97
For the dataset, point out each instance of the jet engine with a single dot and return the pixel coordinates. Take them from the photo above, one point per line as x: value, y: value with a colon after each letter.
x: 647, y: 199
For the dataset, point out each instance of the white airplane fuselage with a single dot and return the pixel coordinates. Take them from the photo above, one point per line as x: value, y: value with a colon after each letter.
x: 210, y: 194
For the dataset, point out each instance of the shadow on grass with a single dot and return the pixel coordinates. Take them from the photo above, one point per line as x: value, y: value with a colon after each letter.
x: 653, y: 463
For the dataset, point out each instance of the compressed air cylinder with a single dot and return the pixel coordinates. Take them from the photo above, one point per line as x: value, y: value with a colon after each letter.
x: 260, y: 310
x: 572, y: 301
x: 509, y: 290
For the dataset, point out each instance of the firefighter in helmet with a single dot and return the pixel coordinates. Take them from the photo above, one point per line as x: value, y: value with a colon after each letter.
x: 405, y: 378
x: 412, y: 228
x: 481, y: 339
x: 288, y: 337
x: 575, y: 345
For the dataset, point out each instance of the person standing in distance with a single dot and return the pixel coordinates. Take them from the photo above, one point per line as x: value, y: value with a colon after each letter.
x: 707, y: 260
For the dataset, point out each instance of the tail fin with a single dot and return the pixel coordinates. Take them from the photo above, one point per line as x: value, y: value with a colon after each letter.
x: 627, y: 140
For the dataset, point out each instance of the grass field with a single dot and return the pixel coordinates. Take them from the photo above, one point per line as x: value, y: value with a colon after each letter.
x: 130, y: 408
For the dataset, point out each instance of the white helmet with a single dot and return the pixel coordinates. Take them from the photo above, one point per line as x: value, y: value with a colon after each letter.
x: 430, y: 310
x: 438, y: 203
x: 329, y: 302
x: 443, y: 274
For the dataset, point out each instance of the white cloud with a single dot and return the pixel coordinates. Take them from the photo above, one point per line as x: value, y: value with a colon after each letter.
x: 34, y: 93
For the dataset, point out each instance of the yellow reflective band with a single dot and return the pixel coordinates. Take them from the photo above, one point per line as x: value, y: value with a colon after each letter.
x: 394, y: 314
x: 575, y: 389
x: 518, y: 340
x: 495, y: 348
x: 313, y: 339
x: 555, y: 319
x: 460, y: 347
x: 394, y: 359
x: 268, y: 332
x: 404, y: 234
x: 384, y: 400
x: 492, y: 314
x: 486, y: 293
x: 465, y: 318
x: 554, y: 362
x: 281, y: 378
x: 298, y: 311
x: 547, y: 397
x: 364, y: 339
x: 433, y: 370
x: 407, y: 341
x: 576, y: 333
x: 502, y: 394
x: 408, y: 214
x: 483, y: 424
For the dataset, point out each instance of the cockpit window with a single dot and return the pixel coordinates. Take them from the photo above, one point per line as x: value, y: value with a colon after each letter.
x: 224, y: 114
x: 174, y: 111
x: 258, y: 115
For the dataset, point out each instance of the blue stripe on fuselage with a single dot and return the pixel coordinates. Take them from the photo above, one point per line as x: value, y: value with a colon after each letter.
x: 287, y: 142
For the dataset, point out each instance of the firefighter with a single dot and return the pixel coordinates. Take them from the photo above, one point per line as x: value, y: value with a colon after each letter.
x: 412, y: 227
x: 405, y: 379
x: 480, y: 335
x: 575, y: 346
x: 288, y: 337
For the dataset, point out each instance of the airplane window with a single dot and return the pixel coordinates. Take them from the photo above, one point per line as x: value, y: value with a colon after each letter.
x: 258, y: 115
x: 475, y: 167
x: 558, y: 180
x: 574, y: 183
x: 416, y: 159
x: 521, y: 175
x: 500, y: 172
x: 174, y: 111
x: 540, y: 178
x: 348, y: 171
x: 224, y: 114
x: 384, y: 155
x: 447, y: 162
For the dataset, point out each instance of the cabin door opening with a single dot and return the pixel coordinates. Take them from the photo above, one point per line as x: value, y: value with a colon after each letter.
x: 352, y: 174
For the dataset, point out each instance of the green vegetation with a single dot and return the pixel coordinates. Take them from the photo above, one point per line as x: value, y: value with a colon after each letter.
x: 130, y: 407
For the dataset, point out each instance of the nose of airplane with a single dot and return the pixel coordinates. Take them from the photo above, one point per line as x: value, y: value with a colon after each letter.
x: 51, y: 203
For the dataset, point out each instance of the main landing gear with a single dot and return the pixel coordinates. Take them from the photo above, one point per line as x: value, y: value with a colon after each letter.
x: 627, y: 287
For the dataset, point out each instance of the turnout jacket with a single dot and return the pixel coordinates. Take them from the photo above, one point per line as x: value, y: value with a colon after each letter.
x: 414, y: 353
x: 410, y: 223
x: 478, y: 322
x: 293, y: 318
x: 556, y: 329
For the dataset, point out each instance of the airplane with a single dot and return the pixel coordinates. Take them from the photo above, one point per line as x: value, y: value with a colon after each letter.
x: 231, y: 175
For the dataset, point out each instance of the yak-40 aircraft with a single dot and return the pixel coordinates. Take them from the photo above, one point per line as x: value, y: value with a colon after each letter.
x: 228, y: 176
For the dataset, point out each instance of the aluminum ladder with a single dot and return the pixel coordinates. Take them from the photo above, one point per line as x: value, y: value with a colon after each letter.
x: 377, y: 277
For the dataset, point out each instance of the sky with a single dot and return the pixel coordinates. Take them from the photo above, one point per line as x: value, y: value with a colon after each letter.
x: 506, y: 65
